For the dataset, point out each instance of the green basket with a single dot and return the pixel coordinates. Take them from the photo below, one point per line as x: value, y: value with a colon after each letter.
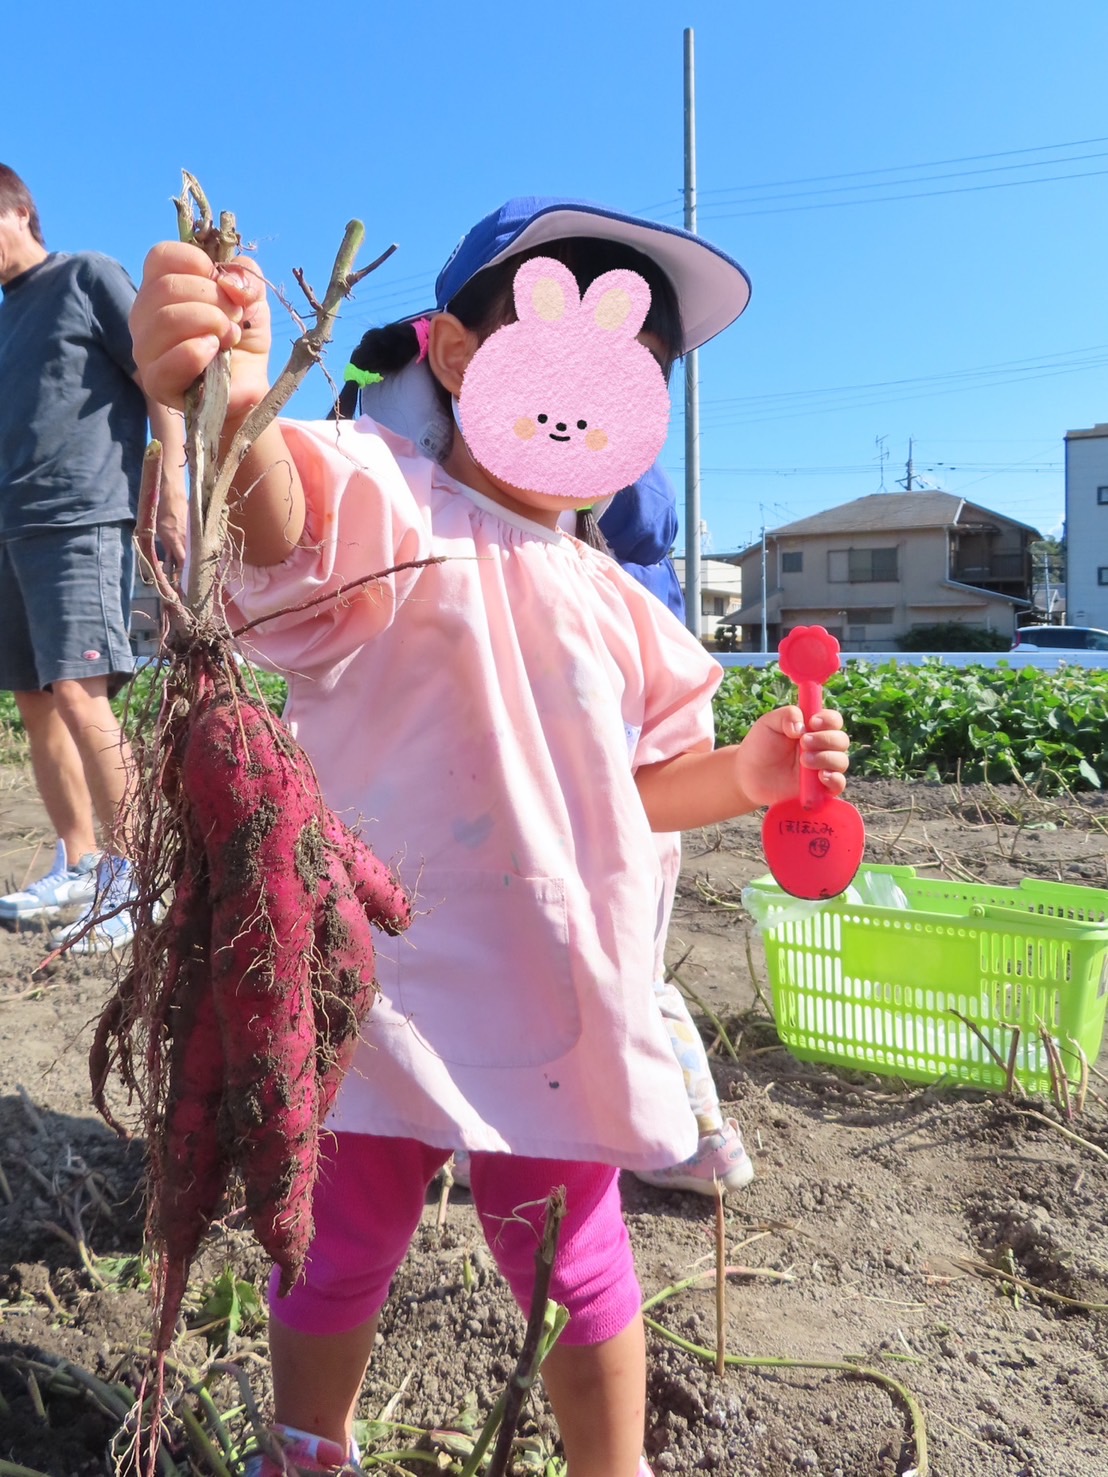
x: 882, y: 989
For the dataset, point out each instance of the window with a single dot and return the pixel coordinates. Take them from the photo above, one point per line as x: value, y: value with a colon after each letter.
x: 877, y: 615
x: 792, y: 563
x: 861, y: 566
x: 1102, y: 575
x: 1102, y: 496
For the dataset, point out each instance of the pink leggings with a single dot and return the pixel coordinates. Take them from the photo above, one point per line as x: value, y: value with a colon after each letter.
x: 368, y: 1201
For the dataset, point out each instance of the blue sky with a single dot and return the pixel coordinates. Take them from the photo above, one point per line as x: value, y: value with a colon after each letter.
x: 970, y: 313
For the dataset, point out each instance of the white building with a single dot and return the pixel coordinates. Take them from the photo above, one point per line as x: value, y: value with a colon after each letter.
x: 1087, y: 527
x: 720, y: 591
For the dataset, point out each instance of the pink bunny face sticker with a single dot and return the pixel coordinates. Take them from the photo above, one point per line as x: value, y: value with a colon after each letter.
x: 566, y: 401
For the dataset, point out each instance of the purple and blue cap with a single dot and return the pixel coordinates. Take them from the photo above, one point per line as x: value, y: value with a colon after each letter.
x: 712, y: 290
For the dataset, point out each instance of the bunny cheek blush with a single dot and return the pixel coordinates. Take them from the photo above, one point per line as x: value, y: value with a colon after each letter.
x: 566, y: 402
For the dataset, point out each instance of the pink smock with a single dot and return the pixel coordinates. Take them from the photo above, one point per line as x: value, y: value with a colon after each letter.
x: 480, y: 720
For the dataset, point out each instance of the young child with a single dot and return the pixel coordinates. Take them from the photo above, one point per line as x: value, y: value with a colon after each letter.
x: 511, y: 723
x: 637, y: 527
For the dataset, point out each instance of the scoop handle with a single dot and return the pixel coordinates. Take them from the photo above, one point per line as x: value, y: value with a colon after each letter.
x: 809, y: 697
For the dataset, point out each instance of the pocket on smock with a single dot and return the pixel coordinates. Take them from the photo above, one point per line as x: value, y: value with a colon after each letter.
x: 484, y: 976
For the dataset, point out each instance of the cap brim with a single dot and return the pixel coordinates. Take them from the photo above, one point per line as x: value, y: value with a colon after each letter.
x: 712, y: 289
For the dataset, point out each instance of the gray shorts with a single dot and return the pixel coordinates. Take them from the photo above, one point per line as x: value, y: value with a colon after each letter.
x: 65, y: 604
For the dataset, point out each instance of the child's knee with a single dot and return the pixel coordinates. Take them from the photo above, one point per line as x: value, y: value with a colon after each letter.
x: 594, y: 1274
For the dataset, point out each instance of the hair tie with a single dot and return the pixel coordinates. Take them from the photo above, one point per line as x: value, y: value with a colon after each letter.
x: 422, y: 328
x: 352, y: 375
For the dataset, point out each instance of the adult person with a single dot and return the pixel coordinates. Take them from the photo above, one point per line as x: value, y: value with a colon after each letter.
x: 73, y: 420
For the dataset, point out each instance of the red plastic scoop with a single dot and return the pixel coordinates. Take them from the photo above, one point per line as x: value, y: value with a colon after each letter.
x: 814, y: 842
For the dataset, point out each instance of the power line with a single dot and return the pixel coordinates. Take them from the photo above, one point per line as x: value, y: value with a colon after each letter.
x: 908, y: 195
x: 905, y: 168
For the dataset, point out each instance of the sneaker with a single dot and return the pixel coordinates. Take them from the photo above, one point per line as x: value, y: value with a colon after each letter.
x: 460, y: 1168
x: 304, y: 1454
x: 116, y: 929
x: 644, y: 1470
x: 719, y: 1156
x: 62, y: 887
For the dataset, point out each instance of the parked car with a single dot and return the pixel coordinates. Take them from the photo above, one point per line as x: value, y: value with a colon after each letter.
x: 1060, y: 638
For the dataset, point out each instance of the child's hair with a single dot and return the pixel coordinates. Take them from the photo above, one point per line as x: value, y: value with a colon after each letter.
x: 486, y: 303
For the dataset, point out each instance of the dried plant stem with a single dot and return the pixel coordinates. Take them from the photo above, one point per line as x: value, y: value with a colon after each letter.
x: 690, y: 994
x: 721, y: 1284
x: 1012, y: 1082
x: 1083, y: 1077
x: 523, y: 1376
x: 206, y: 403
x: 306, y: 352
x: 1005, y: 1066
x: 983, y: 1269
x: 1074, y: 1138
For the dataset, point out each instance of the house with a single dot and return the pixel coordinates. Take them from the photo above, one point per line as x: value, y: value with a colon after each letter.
x: 720, y: 591
x: 1087, y: 527
x: 873, y: 569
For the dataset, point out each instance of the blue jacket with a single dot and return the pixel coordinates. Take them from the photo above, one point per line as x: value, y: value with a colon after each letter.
x: 640, y: 526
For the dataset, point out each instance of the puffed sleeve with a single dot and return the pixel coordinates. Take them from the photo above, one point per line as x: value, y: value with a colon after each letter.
x: 367, y: 511
x: 679, y: 680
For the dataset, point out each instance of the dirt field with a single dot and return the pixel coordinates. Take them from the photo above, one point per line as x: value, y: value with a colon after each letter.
x: 869, y: 1197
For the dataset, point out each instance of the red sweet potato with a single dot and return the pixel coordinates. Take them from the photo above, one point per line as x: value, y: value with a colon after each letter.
x: 191, y: 1165
x: 252, y: 800
x: 383, y: 900
x: 343, y: 978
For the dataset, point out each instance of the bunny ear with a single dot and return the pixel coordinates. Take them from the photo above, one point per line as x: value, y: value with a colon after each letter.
x: 545, y: 290
x: 618, y: 302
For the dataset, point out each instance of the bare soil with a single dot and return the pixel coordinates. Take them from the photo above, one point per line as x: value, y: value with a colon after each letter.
x: 870, y: 1196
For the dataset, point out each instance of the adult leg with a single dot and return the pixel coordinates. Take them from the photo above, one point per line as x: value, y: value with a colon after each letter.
x: 105, y: 755
x: 59, y: 773
x: 596, y: 1373
x: 73, y: 587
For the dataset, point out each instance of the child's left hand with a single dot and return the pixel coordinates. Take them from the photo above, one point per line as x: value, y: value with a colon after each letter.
x: 768, y: 759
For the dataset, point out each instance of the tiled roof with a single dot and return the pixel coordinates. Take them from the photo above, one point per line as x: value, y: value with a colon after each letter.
x: 886, y: 511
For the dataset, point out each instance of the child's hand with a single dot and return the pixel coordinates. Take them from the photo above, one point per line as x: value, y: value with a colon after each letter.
x: 186, y: 310
x: 770, y: 756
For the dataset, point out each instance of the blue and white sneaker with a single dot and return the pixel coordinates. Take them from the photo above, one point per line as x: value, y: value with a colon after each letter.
x: 111, y: 920
x: 62, y: 887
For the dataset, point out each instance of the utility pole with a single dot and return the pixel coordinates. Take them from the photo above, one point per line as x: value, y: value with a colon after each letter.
x: 910, y: 469
x: 765, y: 640
x: 692, y: 387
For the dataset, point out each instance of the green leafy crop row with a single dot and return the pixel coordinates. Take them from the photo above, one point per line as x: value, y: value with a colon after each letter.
x: 1049, y: 729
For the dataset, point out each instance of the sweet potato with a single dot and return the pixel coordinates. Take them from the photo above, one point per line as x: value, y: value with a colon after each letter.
x: 191, y: 1164
x: 252, y: 802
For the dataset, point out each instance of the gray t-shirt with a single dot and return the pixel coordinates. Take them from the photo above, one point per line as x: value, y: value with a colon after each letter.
x: 72, y: 420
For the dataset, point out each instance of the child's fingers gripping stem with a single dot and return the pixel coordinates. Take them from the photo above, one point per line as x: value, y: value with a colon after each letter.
x: 186, y: 311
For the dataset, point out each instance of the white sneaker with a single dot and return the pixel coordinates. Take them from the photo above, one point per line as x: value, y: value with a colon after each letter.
x: 719, y: 1156
x: 113, y: 926
x: 62, y: 887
